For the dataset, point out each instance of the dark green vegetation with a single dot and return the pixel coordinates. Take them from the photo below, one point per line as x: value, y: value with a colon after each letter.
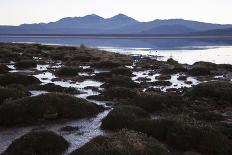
x: 25, y: 64
x: 17, y: 78
x: 4, y: 69
x: 69, y: 128
x: 11, y: 93
x: 39, y: 143
x: 67, y: 71
x: 50, y: 87
x: 217, y: 91
x: 45, y: 107
x: 155, y: 102
x: 124, y: 143
x: 123, y: 117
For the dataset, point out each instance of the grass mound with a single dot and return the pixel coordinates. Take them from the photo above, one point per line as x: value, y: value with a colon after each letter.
x: 219, y: 91
x: 120, y: 93
x: 154, y: 102
x: 121, y: 71
x: 4, y: 69
x: 11, y: 93
x: 123, y: 117
x: 17, y: 78
x: 51, y: 87
x: 25, y: 64
x: 124, y: 143
x: 186, y: 134
x: 39, y: 143
x: 45, y: 107
x: 67, y: 71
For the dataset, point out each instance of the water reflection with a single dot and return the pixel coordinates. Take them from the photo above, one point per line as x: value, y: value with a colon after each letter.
x: 131, y: 43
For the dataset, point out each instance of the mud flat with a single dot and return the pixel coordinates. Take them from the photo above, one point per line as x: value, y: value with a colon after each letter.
x: 97, y: 102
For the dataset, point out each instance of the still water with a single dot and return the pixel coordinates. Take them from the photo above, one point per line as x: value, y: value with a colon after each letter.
x: 184, y: 50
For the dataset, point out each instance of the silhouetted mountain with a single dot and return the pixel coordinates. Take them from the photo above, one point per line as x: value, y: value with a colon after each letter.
x: 221, y: 32
x: 169, y: 29
x: 119, y: 24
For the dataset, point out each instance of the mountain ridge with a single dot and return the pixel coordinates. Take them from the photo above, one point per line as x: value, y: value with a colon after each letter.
x: 118, y: 24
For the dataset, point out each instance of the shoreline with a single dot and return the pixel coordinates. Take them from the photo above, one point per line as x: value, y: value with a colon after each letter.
x: 117, y: 36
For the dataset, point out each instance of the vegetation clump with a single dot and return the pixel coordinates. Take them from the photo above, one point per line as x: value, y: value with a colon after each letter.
x: 122, y: 71
x: 218, y: 91
x: 107, y: 64
x: 4, y: 69
x: 67, y: 71
x: 124, y: 142
x: 44, y: 107
x: 51, y: 87
x: 69, y: 128
x: 26, y: 64
x: 123, y: 117
x: 39, y: 143
x: 11, y: 93
x: 155, y: 102
x: 17, y: 78
x: 184, y: 134
x: 120, y: 93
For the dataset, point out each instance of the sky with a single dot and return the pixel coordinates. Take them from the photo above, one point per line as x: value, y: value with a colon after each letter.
x: 16, y: 12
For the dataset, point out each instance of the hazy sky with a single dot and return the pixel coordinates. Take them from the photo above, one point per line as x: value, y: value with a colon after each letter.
x: 14, y: 12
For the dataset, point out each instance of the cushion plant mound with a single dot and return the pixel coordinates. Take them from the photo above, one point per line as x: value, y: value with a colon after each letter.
x: 51, y: 87
x: 67, y: 71
x: 123, y: 117
x: 186, y: 134
x: 155, y: 102
x: 120, y: 93
x: 17, y: 78
x: 4, y: 69
x: 45, y: 107
x: 124, y: 143
x: 25, y: 64
x: 11, y: 93
x: 39, y: 143
x: 122, y: 71
x: 219, y: 91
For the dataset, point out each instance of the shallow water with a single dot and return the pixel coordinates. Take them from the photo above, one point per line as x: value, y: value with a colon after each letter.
x: 218, y: 55
x: 184, y: 50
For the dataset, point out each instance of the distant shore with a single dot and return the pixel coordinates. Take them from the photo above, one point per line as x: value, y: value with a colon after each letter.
x: 118, y: 36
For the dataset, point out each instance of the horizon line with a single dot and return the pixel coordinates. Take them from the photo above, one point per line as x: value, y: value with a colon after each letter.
x: 93, y: 14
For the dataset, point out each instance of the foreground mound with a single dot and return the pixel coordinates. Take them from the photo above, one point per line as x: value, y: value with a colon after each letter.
x: 123, y: 143
x: 123, y: 117
x: 3, y: 69
x: 39, y: 143
x: 11, y: 93
x: 218, y: 91
x: 25, y: 64
x: 154, y: 102
x: 51, y: 87
x: 185, y: 135
x: 45, y: 107
x: 17, y: 78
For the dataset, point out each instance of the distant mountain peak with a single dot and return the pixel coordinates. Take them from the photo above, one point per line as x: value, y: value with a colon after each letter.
x: 92, y: 16
x: 122, y: 17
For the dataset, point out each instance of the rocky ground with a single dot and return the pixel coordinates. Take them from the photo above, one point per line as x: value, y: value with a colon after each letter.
x: 79, y: 100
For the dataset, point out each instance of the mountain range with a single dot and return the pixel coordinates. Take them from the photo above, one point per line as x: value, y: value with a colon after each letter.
x: 119, y: 24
